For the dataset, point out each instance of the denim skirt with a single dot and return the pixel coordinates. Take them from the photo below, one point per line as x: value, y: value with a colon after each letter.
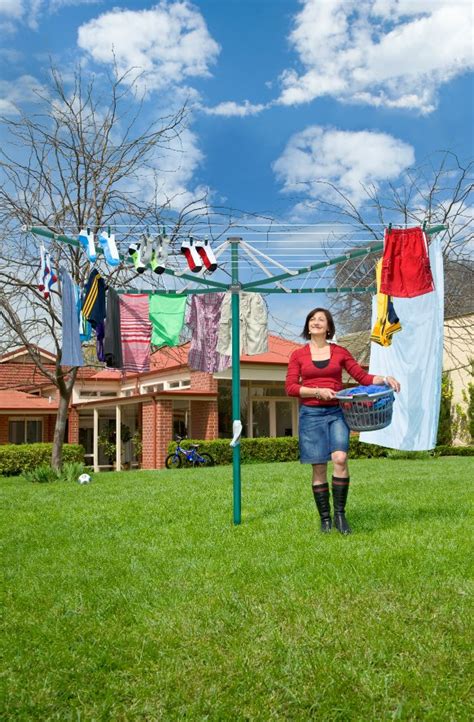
x: 322, y: 430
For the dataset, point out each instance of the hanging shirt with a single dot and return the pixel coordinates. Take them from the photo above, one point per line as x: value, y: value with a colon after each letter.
x: 113, y: 340
x: 167, y: 319
x: 387, y: 322
x: 415, y: 358
x: 253, y: 325
x: 406, y: 271
x: 135, y: 330
x: 71, y: 354
x: 203, y: 318
x: 93, y: 304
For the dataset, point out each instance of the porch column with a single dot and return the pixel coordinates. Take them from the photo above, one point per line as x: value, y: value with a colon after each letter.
x: 118, y: 438
x: 96, y: 440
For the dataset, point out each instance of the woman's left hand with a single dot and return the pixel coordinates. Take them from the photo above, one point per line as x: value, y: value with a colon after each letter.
x: 392, y: 382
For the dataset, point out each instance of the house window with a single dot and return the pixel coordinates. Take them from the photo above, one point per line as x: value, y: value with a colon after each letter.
x: 173, y: 385
x: 25, y: 431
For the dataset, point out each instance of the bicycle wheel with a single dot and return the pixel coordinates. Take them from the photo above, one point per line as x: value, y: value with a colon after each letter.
x: 173, y: 461
x: 204, y: 460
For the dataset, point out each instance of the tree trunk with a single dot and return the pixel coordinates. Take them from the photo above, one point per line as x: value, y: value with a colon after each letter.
x: 59, y: 429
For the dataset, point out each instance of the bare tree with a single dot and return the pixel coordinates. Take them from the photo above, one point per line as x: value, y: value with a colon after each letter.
x: 84, y: 158
x: 440, y: 191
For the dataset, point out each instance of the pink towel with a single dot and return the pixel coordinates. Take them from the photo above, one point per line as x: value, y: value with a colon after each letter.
x: 135, y: 328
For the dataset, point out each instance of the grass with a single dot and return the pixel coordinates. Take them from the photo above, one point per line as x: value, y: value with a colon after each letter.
x: 134, y: 598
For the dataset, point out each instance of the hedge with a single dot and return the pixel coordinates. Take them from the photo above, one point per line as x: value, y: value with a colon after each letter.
x: 285, y: 448
x: 18, y: 458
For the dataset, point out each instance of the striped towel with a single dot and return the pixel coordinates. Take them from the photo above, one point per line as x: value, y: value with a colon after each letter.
x: 135, y: 329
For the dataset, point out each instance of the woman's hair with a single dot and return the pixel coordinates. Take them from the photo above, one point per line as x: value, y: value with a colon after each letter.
x: 331, y: 326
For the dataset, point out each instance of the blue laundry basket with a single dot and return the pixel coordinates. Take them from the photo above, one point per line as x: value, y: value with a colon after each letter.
x: 367, y: 408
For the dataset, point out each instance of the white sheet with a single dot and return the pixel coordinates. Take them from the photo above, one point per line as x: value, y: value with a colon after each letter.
x: 415, y: 358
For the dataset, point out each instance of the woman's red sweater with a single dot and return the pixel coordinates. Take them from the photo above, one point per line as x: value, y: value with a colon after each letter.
x: 303, y: 372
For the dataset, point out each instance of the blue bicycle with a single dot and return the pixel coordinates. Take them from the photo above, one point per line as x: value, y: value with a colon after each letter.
x: 189, y: 456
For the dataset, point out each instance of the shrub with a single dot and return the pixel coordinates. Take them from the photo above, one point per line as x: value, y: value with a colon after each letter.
x: 20, y: 458
x: 41, y: 475
x: 72, y: 471
x: 454, y: 451
x: 445, y: 431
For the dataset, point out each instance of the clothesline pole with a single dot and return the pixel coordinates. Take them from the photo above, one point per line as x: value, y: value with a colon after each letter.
x: 235, y: 306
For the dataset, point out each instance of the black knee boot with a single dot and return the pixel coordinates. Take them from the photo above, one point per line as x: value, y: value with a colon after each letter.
x: 340, y: 490
x: 321, y: 497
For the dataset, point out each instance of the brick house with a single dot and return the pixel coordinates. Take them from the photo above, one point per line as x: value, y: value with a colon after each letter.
x: 170, y: 398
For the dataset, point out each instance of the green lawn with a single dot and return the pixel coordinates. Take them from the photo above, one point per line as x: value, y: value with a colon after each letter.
x: 134, y: 598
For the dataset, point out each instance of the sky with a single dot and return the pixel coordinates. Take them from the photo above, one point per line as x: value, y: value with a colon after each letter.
x: 282, y: 92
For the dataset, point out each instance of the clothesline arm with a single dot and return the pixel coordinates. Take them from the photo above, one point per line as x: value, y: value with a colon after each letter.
x: 255, y: 285
x: 72, y: 242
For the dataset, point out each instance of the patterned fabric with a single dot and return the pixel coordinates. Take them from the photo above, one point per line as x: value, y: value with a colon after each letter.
x: 203, y: 317
x: 93, y: 305
x: 135, y: 330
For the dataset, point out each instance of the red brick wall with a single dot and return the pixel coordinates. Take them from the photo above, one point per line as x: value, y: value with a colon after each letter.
x: 204, y: 420
x: 73, y: 427
x: 49, y: 422
x: 157, y: 432
x: 148, y: 422
x: 164, y: 431
x: 3, y: 429
x: 202, y: 381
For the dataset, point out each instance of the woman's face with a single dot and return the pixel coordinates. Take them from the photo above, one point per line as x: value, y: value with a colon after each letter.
x: 318, y: 324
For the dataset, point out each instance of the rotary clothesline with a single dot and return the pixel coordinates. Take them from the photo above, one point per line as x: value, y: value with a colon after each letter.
x: 235, y: 288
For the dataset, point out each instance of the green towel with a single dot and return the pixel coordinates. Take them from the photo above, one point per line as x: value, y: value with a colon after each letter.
x: 167, y: 319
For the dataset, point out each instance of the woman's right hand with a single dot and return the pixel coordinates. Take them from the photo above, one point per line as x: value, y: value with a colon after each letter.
x: 326, y: 394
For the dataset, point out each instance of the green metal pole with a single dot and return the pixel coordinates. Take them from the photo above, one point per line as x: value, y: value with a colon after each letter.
x: 235, y: 291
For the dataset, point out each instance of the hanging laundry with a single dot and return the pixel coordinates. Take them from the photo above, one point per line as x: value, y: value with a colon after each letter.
x: 112, y: 339
x: 203, y: 318
x: 48, y: 277
x: 135, y: 251
x: 71, y: 352
x: 86, y: 239
x: 167, y: 319
x: 207, y: 254
x: 135, y: 329
x: 406, y: 271
x: 253, y: 325
x: 146, y: 248
x: 85, y: 329
x: 93, y: 304
x: 99, y: 341
x: 189, y: 250
x: 159, y: 254
x: 387, y: 322
x: 415, y: 358
x: 107, y: 241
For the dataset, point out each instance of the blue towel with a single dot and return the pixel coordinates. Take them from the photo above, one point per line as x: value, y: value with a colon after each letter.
x: 71, y: 354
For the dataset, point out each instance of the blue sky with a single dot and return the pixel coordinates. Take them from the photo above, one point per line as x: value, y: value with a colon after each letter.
x: 283, y: 91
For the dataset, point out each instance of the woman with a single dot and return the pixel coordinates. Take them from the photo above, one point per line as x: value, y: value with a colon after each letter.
x: 315, y: 375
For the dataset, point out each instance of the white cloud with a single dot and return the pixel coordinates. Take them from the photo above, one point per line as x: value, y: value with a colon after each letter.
x: 348, y: 159
x: 169, y: 181
x: 393, y: 53
x: 11, y: 8
x: 17, y: 92
x: 165, y: 44
x: 230, y: 108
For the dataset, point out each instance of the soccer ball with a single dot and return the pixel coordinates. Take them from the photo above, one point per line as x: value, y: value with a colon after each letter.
x: 84, y: 479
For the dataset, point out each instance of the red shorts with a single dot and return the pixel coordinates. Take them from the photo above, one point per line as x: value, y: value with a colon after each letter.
x: 406, y: 268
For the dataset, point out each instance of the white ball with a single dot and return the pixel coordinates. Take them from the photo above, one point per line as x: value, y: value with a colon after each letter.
x: 84, y: 479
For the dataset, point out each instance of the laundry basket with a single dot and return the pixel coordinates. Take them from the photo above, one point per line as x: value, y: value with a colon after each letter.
x: 367, y: 408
